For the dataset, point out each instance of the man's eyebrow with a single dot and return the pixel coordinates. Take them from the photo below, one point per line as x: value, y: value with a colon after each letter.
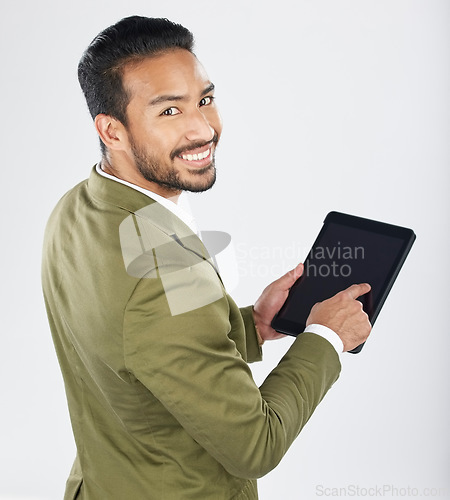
x: 208, y: 89
x: 168, y: 97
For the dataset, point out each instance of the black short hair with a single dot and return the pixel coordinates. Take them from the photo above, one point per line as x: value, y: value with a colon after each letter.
x: 133, y: 38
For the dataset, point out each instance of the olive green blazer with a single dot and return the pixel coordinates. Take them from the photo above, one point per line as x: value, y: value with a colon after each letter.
x: 154, y: 357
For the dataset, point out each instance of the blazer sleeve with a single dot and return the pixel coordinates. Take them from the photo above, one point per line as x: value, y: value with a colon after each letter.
x: 254, y: 351
x: 190, y: 362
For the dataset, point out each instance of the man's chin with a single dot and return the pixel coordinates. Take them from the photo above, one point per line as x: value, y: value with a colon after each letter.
x: 200, y: 180
x: 189, y: 179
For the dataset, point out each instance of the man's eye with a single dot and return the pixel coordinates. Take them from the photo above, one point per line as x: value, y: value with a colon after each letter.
x: 170, y: 112
x: 206, y: 101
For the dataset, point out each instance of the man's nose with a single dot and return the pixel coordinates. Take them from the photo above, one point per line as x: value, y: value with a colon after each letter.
x: 199, y: 128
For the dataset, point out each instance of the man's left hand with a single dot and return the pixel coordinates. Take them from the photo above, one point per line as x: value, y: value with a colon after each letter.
x: 270, y: 302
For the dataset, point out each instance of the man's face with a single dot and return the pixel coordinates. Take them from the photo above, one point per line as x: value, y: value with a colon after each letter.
x: 173, y: 123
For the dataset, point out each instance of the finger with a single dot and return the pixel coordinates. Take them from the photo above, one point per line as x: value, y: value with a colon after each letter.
x: 287, y: 280
x: 357, y: 290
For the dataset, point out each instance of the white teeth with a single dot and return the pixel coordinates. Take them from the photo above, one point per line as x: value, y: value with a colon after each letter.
x: 199, y: 156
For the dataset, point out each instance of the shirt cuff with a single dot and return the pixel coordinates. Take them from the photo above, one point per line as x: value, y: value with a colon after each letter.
x: 328, y: 334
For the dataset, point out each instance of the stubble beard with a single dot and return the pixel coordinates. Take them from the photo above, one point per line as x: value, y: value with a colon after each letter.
x: 169, y: 178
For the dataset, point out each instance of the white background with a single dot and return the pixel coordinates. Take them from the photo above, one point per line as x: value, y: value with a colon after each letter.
x: 327, y: 105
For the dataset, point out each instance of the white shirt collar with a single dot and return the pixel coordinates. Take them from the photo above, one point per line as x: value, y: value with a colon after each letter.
x: 182, y: 213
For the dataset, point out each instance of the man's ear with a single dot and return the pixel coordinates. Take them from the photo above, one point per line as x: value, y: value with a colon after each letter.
x: 111, y: 132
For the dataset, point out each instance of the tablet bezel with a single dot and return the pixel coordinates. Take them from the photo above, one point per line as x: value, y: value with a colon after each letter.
x: 294, y: 328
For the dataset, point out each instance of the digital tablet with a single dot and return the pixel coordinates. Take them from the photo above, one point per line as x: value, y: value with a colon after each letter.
x: 347, y: 250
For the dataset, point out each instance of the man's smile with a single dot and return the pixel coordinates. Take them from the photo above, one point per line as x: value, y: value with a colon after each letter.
x: 195, y: 157
x: 198, y: 157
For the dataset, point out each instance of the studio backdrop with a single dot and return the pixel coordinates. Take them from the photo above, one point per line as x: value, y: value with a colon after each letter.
x: 327, y: 105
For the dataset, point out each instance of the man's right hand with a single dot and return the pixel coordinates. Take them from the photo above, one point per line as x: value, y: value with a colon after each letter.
x: 344, y: 315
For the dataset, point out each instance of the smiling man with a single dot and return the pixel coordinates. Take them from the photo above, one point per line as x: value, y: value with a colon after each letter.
x: 172, y: 126
x: 153, y: 350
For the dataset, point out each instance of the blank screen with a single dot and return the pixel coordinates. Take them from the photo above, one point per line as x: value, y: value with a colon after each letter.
x: 341, y: 257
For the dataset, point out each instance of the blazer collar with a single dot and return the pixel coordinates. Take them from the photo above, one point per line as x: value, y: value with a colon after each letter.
x: 115, y: 193
x: 136, y: 202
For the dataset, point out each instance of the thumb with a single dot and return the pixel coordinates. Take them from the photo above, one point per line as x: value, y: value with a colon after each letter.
x: 288, y: 279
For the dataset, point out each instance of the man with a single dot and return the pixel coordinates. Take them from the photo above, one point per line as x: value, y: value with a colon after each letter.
x: 152, y: 349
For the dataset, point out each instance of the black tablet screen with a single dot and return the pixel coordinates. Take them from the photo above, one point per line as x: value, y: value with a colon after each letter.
x: 342, y: 256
